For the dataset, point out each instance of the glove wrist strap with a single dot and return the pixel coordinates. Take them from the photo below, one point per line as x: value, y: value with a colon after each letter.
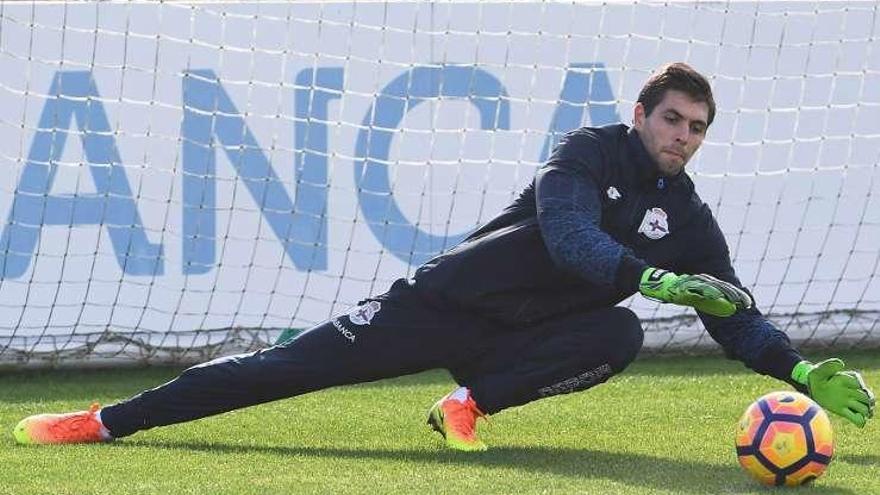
x: 651, y: 275
x: 800, y: 371
x: 651, y: 284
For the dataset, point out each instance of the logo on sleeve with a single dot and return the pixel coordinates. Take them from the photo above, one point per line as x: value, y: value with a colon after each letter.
x: 613, y: 193
x: 654, y: 224
x: 363, y: 314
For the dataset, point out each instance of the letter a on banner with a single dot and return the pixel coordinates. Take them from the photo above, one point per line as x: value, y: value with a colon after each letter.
x: 74, y: 99
x: 585, y: 89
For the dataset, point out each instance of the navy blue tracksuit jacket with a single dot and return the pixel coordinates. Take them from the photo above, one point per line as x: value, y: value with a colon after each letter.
x: 597, y: 214
x: 524, y: 308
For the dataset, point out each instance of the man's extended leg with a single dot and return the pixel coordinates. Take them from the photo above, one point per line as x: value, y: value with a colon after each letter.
x: 561, y: 356
x: 395, y: 336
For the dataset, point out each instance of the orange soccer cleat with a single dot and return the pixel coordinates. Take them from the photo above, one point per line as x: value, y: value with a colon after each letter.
x: 457, y: 421
x: 76, y: 427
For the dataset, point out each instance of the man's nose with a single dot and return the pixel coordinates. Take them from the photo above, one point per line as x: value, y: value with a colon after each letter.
x: 681, y: 136
x: 682, y: 133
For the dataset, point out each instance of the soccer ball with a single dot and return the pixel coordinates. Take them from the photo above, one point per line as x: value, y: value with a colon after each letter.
x: 784, y: 438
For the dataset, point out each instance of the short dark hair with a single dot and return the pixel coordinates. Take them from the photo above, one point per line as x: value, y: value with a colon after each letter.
x: 677, y: 76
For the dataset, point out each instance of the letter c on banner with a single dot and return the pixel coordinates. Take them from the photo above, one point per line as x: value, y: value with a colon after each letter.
x: 384, y: 217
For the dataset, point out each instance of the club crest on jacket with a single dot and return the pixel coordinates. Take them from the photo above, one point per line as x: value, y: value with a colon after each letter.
x: 363, y: 314
x: 654, y: 224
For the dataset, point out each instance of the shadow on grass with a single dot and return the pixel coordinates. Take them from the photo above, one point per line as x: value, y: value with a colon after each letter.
x: 639, y: 470
x: 71, y: 384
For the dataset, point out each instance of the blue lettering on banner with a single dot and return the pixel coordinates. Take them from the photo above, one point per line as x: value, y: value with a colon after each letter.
x: 585, y: 86
x: 400, y: 237
x: 211, y: 121
x: 209, y: 113
x: 75, y: 99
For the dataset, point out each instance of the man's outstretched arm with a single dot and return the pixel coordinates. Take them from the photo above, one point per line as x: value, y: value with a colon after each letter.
x: 751, y: 338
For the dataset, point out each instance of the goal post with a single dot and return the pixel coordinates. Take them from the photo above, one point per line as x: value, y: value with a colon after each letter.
x: 189, y: 179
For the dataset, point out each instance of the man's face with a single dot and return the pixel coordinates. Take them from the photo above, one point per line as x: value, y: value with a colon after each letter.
x: 674, y: 130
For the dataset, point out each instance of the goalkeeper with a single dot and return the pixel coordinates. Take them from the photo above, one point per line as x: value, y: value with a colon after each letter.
x: 526, y: 306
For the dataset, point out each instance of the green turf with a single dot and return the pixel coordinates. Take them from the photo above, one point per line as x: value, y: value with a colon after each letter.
x: 665, y: 426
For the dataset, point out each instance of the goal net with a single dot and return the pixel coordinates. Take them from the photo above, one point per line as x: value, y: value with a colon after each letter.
x: 187, y: 179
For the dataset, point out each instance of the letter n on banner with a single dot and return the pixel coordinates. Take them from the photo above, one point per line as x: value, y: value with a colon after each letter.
x: 211, y: 121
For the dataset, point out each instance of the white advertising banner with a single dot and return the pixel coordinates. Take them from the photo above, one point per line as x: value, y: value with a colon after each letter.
x: 173, y: 168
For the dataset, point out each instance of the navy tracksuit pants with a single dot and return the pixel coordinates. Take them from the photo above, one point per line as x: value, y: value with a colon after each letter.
x: 397, y: 334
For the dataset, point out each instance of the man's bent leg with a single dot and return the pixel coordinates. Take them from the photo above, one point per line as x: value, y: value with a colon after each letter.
x: 561, y: 356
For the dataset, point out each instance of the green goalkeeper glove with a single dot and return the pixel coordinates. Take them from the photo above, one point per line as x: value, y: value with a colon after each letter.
x: 840, y: 391
x: 703, y: 292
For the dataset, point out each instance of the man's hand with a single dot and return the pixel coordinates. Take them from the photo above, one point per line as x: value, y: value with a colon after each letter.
x: 840, y: 391
x: 703, y: 292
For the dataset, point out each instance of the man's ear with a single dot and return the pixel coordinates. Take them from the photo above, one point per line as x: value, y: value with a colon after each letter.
x: 638, y: 116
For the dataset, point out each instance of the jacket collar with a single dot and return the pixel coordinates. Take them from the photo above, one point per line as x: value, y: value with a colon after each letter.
x: 648, y: 173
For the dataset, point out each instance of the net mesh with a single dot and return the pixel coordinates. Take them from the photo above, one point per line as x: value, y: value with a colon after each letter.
x: 184, y: 180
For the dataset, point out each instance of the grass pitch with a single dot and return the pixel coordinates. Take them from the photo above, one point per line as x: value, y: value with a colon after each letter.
x: 665, y: 426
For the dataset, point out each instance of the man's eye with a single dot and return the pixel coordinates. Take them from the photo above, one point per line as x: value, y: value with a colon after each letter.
x: 671, y: 119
